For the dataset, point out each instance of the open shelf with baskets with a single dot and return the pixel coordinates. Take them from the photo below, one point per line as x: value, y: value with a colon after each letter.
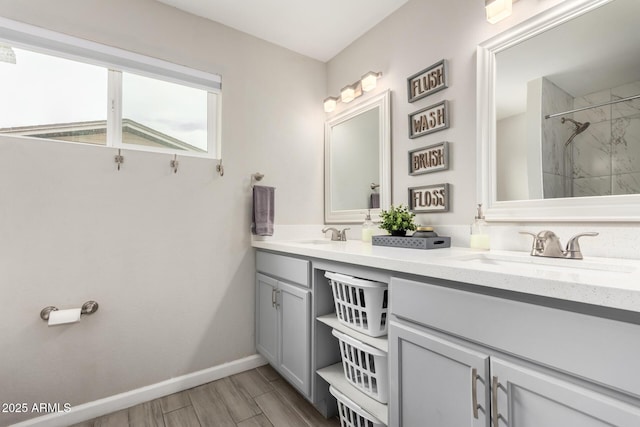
x: 331, y: 320
x: 365, y: 367
x: 357, y: 323
x: 360, y: 304
x: 334, y: 375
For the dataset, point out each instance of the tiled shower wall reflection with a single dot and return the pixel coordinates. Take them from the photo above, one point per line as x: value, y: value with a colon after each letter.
x: 556, y: 180
x: 606, y: 156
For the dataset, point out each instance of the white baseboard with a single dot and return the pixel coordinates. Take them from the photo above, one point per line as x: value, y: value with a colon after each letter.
x: 110, y: 404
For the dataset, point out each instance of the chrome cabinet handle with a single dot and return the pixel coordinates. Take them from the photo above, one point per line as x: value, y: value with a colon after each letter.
x: 273, y: 297
x: 494, y: 402
x: 277, y: 303
x: 474, y: 392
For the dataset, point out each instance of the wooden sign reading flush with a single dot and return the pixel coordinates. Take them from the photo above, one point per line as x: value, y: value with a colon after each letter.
x: 429, y: 198
x: 428, y: 81
x: 429, y: 159
x: 428, y: 120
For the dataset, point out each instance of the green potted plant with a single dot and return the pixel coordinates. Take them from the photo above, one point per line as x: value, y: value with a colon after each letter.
x: 397, y: 220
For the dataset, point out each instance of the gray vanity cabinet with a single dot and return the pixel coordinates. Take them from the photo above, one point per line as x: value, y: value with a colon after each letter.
x: 527, y: 397
x: 267, y: 318
x: 295, y: 335
x: 283, y: 317
x: 436, y: 382
x: 441, y: 383
x: 452, y: 351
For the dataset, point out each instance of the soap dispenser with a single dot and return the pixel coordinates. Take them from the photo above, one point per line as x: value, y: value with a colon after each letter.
x: 479, y: 232
x: 368, y: 228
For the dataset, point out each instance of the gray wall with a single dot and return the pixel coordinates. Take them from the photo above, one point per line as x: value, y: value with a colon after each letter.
x: 167, y: 256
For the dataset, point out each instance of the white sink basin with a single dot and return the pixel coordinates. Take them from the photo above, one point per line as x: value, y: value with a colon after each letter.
x: 316, y: 242
x: 526, y: 261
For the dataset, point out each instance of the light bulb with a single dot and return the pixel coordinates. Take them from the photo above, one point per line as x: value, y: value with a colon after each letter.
x: 347, y: 94
x: 330, y: 104
x: 497, y: 10
x: 369, y: 81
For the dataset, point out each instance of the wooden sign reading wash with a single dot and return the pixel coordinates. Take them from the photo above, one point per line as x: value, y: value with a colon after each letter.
x: 428, y: 120
x: 429, y: 198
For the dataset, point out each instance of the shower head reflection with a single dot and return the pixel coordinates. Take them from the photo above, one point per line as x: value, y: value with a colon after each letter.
x: 579, y: 128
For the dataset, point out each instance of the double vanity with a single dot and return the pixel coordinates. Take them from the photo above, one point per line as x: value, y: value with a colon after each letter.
x: 475, y: 338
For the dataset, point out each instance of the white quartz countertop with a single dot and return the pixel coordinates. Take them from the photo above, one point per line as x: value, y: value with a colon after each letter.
x: 607, y: 282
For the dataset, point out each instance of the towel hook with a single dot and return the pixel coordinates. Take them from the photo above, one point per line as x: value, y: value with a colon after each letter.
x: 119, y: 158
x: 174, y: 163
x: 256, y: 177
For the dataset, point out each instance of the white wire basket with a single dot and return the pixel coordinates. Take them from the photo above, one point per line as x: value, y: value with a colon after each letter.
x: 364, y: 366
x: 360, y: 304
x: 352, y: 415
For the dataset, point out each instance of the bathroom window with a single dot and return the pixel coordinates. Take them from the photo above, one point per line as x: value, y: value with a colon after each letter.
x: 59, y: 87
x: 177, y: 114
x: 53, y: 98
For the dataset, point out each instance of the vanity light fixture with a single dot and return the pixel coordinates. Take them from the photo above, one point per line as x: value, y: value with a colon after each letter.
x: 497, y: 10
x: 330, y: 104
x: 369, y: 81
x: 349, y: 93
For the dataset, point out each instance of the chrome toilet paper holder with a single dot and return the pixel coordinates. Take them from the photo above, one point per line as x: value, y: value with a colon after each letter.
x: 88, y: 307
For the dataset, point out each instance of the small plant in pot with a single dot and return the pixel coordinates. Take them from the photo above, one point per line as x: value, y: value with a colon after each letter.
x: 397, y: 220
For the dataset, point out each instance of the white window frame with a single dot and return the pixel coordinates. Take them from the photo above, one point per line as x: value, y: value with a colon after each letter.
x: 117, y: 60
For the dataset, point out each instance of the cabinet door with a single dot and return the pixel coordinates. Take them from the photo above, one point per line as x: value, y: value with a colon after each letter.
x: 295, y: 336
x: 530, y: 398
x: 266, y: 318
x: 434, y: 382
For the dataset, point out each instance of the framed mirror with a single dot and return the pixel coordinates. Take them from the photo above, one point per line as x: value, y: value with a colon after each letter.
x: 558, y: 116
x: 358, y: 161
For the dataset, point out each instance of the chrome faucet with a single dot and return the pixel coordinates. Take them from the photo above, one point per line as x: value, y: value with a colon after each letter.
x: 337, y: 235
x: 547, y: 244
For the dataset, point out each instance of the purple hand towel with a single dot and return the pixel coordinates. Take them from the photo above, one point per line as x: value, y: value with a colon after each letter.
x: 374, y: 201
x: 263, y: 210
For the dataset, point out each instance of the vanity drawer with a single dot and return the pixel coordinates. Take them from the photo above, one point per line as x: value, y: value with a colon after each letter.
x: 599, y: 349
x: 290, y: 269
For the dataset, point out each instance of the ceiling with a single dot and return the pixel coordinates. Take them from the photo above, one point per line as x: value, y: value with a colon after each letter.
x: 319, y: 29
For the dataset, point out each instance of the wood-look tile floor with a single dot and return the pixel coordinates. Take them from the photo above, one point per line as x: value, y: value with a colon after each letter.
x: 256, y: 398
